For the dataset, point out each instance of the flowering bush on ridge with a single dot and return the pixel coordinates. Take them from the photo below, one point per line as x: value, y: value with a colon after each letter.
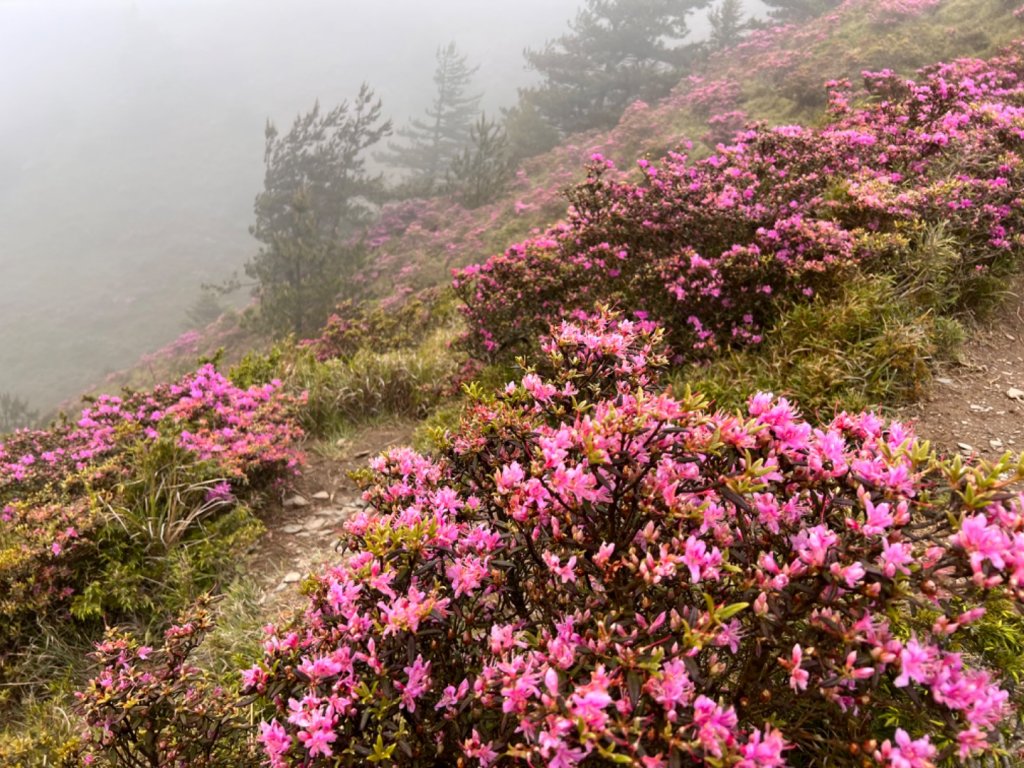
x: 176, y: 456
x: 354, y: 326
x: 598, y: 572
x: 773, y: 74
x: 888, y: 8
x: 715, y: 249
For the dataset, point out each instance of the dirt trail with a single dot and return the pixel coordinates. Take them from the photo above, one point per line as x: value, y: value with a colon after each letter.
x: 976, y: 407
x: 303, y: 527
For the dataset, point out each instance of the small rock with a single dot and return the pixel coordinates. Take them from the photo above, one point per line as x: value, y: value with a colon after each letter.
x: 315, y: 524
x: 291, y: 577
x: 996, y: 443
x: 980, y: 408
x: 296, y: 501
x: 292, y: 529
x: 965, y: 447
x: 361, y: 455
x: 321, y: 496
x: 946, y: 382
x: 1015, y: 394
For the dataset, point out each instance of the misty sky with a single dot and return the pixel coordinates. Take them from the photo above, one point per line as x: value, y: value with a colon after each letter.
x: 131, y: 147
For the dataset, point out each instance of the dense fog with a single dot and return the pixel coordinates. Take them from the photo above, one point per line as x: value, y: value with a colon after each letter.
x: 131, y: 147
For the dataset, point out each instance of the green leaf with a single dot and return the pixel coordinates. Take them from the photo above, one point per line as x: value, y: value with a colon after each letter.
x: 731, y: 610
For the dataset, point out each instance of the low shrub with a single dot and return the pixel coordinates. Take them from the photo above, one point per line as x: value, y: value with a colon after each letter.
x: 353, y: 326
x: 369, y: 382
x: 595, y: 572
x: 368, y: 386
x: 153, y: 708
x: 868, y: 347
x: 134, y: 509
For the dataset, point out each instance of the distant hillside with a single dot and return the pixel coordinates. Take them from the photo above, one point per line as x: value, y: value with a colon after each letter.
x: 776, y: 75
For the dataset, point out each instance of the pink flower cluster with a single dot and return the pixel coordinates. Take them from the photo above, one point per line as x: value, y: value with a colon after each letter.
x: 889, y: 8
x: 417, y: 241
x: 204, y: 413
x: 711, y: 248
x: 244, y: 438
x: 596, y: 571
x: 153, y: 706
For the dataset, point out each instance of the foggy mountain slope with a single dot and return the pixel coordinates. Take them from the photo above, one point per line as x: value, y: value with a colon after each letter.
x: 131, y: 148
x: 834, y: 258
x: 775, y: 75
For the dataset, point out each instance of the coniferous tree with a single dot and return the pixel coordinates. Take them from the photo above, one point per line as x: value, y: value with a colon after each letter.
x: 205, y: 309
x: 317, y: 199
x: 727, y: 23
x: 799, y: 10
x: 15, y: 413
x: 529, y: 134
x: 617, y: 51
x: 481, y: 173
x: 431, y: 143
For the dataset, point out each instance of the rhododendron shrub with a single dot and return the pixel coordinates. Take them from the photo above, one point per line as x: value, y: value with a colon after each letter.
x: 715, y: 249
x: 125, y: 483
x: 888, y: 8
x: 153, y: 707
x: 596, y: 572
x: 354, y: 326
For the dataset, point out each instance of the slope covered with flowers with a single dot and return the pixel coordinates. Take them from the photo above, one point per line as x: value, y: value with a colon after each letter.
x: 592, y: 569
x: 598, y: 572
x: 715, y: 249
x: 775, y: 74
x: 130, y: 480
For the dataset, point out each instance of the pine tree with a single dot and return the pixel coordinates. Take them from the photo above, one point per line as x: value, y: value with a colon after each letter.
x: 432, y: 143
x: 529, y: 134
x: 799, y: 10
x: 727, y: 23
x: 481, y: 173
x: 316, y: 201
x: 15, y: 413
x: 617, y: 51
x: 206, y: 308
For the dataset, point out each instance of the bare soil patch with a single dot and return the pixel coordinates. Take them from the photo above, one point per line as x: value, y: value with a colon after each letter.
x: 976, y: 406
x: 303, y: 526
